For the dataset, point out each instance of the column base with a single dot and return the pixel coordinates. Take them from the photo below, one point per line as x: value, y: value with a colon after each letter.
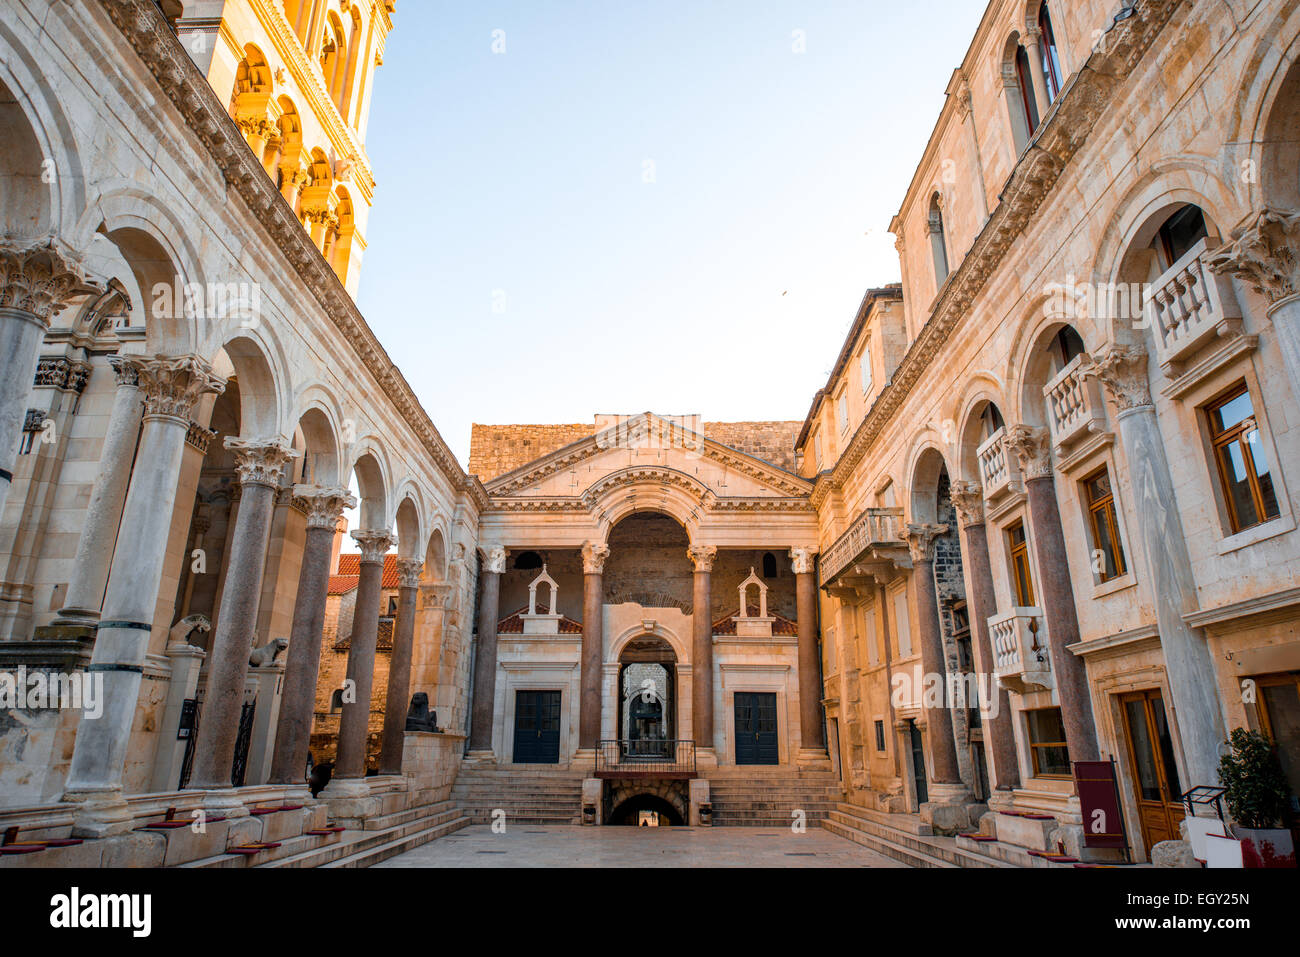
x: 948, y: 809
x: 485, y: 758
x: 223, y: 802
x: 351, y: 799
x: 813, y: 759
x: 584, y: 759
x: 102, y: 813
x: 1003, y: 799
x: 706, y: 758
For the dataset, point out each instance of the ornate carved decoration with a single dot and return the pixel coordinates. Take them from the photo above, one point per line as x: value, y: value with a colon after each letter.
x: 261, y: 461
x: 37, y: 278
x: 1033, y: 447
x: 197, y: 437
x: 920, y: 540
x: 1123, y: 371
x: 375, y: 543
x: 323, y: 505
x: 702, y: 556
x: 1263, y: 253
x: 802, y: 560
x: 127, y: 369
x: 174, y: 384
x: 968, y: 499
x: 409, y: 571
x: 494, y: 562
x: 593, y: 558
x: 61, y: 372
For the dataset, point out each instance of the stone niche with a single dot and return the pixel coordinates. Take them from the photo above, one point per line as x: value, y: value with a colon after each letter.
x: 537, y: 622
x: 753, y: 626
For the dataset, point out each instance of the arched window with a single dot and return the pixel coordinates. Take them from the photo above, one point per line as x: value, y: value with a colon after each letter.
x: 1051, y: 57
x: 1065, y: 346
x: 938, y: 242
x: 990, y: 420
x: 1178, y: 234
x: 769, y: 565
x: 1026, y: 84
x: 528, y: 560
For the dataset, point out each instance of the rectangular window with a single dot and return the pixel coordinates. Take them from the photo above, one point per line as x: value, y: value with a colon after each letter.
x: 869, y: 634
x: 817, y: 450
x: 842, y: 410
x: 880, y: 736
x: 1047, y: 743
x: 1022, y: 579
x: 1244, y: 473
x: 902, y: 624
x: 865, y: 363
x: 829, y: 642
x: 1105, y: 526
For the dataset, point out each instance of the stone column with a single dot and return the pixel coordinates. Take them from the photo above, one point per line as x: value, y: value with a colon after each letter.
x: 811, y: 746
x: 104, y: 511
x: 1034, y: 47
x: 172, y: 387
x: 1263, y: 255
x: 1166, y: 562
x: 36, y: 280
x: 396, y: 701
x: 259, y: 467
x: 485, y: 658
x: 302, y: 662
x: 1032, y: 446
x: 354, y: 724
x: 593, y: 644
x: 702, y: 557
x: 1000, y: 743
x: 943, y: 748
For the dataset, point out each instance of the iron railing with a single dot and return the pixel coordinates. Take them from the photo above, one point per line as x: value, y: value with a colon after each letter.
x: 645, y: 758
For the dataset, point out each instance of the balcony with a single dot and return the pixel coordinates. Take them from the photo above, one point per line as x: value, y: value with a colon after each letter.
x: 645, y: 758
x: 1075, y: 408
x: 1020, y: 658
x: 1188, y: 307
x: 875, y: 535
x: 999, y: 467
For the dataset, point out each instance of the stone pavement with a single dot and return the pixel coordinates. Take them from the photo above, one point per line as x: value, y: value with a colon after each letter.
x: 568, y: 846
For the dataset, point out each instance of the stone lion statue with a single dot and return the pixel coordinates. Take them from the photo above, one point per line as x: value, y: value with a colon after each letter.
x: 268, y: 652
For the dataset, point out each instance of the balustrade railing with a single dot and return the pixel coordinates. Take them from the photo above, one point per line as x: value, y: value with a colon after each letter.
x: 874, y: 526
x: 1020, y: 657
x: 1187, y: 306
x: 999, y: 467
x: 1074, y: 404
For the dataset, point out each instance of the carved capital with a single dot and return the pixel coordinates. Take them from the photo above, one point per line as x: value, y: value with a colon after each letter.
x: 409, y: 571
x: 173, y: 385
x: 1123, y: 371
x: 375, y: 543
x: 702, y: 556
x: 127, y: 370
x: 494, y: 559
x: 199, y: 438
x: 37, y: 278
x: 968, y: 499
x: 593, y: 558
x: 802, y: 560
x: 1262, y: 254
x: 1033, y: 447
x: 323, y: 506
x: 920, y: 540
x: 261, y: 461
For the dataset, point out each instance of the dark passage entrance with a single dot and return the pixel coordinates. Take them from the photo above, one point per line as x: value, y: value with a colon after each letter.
x: 646, y: 809
x: 918, y: 762
x: 537, y: 727
x: 756, y: 728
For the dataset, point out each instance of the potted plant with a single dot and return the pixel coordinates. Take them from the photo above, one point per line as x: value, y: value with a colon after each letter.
x: 1257, y: 795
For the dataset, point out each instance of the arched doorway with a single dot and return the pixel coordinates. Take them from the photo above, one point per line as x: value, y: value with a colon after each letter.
x: 647, y: 711
x: 646, y: 810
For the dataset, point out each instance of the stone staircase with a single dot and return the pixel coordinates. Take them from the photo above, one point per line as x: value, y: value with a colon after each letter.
x: 906, y: 838
x: 768, y: 797
x: 537, y: 795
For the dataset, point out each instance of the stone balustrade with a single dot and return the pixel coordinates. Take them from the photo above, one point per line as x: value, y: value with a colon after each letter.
x: 1020, y: 657
x: 1074, y: 405
x: 873, y: 526
x: 1188, y: 306
x: 999, y: 467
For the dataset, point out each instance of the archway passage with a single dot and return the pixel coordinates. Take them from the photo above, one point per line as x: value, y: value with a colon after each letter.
x: 646, y: 810
x: 648, y: 693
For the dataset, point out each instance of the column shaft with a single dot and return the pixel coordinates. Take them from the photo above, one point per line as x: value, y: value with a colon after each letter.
x: 810, y: 692
x: 943, y: 749
x: 485, y: 663
x: 20, y: 342
x: 354, y: 725
x: 702, y: 661
x: 593, y: 639
x: 399, y: 678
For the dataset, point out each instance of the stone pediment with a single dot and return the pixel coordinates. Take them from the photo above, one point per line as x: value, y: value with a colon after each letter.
x: 648, y: 451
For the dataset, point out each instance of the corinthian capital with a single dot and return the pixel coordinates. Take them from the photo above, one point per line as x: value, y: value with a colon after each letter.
x: 920, y: 540
x: 968, y: 499
x: 702, y: 556
x: 1263, y: 253
x: 495, y: 559
x: 593, y: 558
x: 261, y: 461
x: 1032, y: 446
x: 1123, y: 371
x: 126, y: 368
x: 324, y: 506
x: 374, y: 542
x: 37, y: 278
x: 409, y: 571
x: 174, y: 384
x: 802, y: 560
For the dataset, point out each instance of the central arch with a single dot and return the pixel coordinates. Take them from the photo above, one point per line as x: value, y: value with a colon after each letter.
x: 647, y: 697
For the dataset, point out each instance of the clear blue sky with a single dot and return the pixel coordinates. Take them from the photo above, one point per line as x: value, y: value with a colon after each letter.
x: 723, y: 287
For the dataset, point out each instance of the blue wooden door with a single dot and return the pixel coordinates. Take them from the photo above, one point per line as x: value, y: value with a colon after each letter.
x: 756, y: 728
x: 537, y: 727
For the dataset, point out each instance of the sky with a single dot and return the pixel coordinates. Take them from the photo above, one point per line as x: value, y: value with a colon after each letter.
x: 625, y: 206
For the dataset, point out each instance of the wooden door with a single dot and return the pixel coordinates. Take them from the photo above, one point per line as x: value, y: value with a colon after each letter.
x: 1155, y: 773
x: 756, y: 741
x: 537, y: 727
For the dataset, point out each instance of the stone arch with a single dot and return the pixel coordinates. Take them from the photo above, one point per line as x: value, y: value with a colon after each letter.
x: 435, y: 555
x: 409, y: 522
x: 1036, y: 365
x: 244, y: 358
x: 370, y: 470
x: 317, y: 407
x: 983, y: 390
x: 1022, y: 108
x: 923, y: 487
x: 666, y: 491
x: 679, y: 647
x: 663, y: 797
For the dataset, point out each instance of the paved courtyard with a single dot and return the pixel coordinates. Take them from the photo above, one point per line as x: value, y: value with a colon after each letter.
x: 538, y: 846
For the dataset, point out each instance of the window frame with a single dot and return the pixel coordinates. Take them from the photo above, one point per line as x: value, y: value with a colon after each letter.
x: 1017, y: 550
x: 1222, y: 439
x: 1106, y: 504
x: 866, y: 375
x: 1036, y: 746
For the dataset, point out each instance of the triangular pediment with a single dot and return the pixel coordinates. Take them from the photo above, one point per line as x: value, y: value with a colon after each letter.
x: 647, y: 449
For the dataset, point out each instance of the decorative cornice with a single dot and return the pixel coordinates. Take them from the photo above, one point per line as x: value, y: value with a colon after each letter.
x: 1123, y: 371
x: 63, y: 373
x: 38, y: 278
x: 702, y: 556
x: 174, y: 384
x: 920, y: 540
x: 261, y: 461
x: 1263, y: 253
x: 1063, y: 132
x: 968, y: 499
x: 184, y: 84
x: 593, y: 558
x: 1033, y: 447
x: 323, y: 505
x: 375, y: 543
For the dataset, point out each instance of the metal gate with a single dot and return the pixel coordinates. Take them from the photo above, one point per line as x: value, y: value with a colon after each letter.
x: 242, y: 742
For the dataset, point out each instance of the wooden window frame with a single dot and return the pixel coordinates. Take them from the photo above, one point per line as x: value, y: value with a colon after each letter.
x: 1103, y: 509
x: 1273, y: 679
x: 1220, y: 440
x: 1019, y: 551
x: 1035, y: 746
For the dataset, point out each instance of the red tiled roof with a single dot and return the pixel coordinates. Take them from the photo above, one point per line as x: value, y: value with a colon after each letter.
x: 385, y: 642
x: 342, y: 584
x: 350, y: 567
x: 514, y: 624
x: 726, y: 625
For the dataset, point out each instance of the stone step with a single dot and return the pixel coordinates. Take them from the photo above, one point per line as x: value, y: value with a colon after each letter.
x: 880, y: 845
x: 849, y: 821
x: 399, y: 845
x: 357, y: 844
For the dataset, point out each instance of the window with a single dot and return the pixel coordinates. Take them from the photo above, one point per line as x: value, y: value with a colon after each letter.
x: 1047, y: 746
x: 880, y: 736
x: 1051, y: 57
x: 1279, y: 713
x: 1027, y: 100
x: 1243, y: 466
x: 1022, y: 579
x: 817, y: 450
x: 902, y: 624
x: 527, y: 560
x: 392, y: 606
x: 1181, y: 231
x: 938, y: 242
x: 842, y: 410
x: 769, y: 565
x: 864, y: 364
x: 1067, y: 345
x: 1105, y: 527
